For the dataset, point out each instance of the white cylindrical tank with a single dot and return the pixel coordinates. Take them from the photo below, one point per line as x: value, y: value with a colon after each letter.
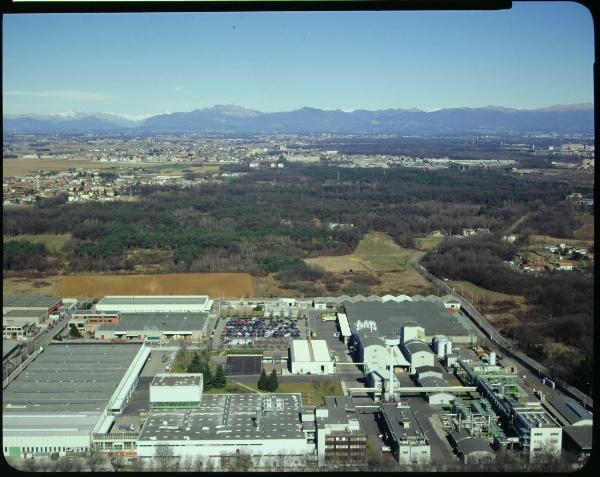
x: 448, y: 347
x: 439, y: 345
x: 492, y: 359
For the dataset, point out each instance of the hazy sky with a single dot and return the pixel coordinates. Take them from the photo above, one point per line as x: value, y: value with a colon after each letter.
x: 537, y: 54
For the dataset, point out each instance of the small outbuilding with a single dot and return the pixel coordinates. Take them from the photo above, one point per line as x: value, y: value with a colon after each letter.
x: 311, y: 357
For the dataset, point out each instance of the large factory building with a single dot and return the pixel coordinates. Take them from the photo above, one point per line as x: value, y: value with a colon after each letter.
x: 68, y: 393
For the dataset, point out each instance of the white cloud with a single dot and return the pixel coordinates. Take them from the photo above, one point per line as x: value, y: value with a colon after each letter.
x: 73, y: 94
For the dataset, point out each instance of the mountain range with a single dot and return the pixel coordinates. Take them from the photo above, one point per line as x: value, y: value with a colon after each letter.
x: 235, y: 119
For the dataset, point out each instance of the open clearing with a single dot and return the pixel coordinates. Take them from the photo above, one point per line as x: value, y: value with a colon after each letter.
x: 496, y: 306
x: 586, y: 231
x: 54, y: 242
x: 312, y: 392
x: 23, y: 167
x: 379, y: 255
x: 428, y: 243
x: 213, y: 284
x: 547, y: 240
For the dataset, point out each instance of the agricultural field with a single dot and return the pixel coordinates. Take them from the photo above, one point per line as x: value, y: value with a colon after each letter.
x: 53, y: 242
x: 378, y: 255
x: 212, y: 284
x: 24, y: 167
x: 40, y: 285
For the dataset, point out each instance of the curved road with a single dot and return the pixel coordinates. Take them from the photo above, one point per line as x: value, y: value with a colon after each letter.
x: 502, y: 343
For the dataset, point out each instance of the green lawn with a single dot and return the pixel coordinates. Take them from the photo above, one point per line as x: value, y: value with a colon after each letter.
x: 312, y: 392
x: 244, y: 351
x: 54, y: 242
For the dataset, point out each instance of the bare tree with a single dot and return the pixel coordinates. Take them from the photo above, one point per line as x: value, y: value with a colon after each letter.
x: 117, y: 463
x: 77, y: 465
x: 95, y: 459
x: 198, y: 464
x: 210, y: 466
x: 30, y: 465
x: 137, y: 464
x: 63, y: 464
x: 165, y: 460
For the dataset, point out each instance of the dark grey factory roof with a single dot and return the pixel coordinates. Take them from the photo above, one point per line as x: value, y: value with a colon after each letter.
x: 424, y: 369
x: 570, y: 409
x: 432, y: 382
x: 13, y: 300
x: 581, y: 435
x: 337, y: 408
x: 397, y: 415
x: 229, y: 417
x: 8, y: 346
x: 70, y: 377
x: 371, y: 340
x: 466, y: 444
x: 390, y: 316
x: 414, y: 346
x: 187, y: 321
x: 23, y: 313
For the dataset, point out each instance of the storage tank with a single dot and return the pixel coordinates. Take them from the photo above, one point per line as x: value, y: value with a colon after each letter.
x: 439, y: 345
x: 492, y: 359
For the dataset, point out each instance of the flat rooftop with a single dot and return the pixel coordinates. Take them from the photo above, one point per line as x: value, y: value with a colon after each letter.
x: 23, y: 313
x: 338, y: 408
x: 69, y: 378
x: 8, y: 346
x: 177, y: 379
x: 227, y: 417
x: 404, y: 423
x: 379, y: 319
x: 310, y: 350
x: 537, y: 418
x: 12, y: 300
x: 153, y: 300
x: 134, y: 322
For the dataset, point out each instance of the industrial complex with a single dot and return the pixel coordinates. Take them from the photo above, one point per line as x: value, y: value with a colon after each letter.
x: 416, y: 386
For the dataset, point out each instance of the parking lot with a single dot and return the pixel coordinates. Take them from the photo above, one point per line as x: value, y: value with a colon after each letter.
x: 260, y: 332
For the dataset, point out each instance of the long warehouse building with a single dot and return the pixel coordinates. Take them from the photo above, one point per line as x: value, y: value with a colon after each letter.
x: 155, y: 303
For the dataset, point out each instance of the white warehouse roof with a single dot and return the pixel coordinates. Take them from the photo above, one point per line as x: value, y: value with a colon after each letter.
x: 310, y: 351
x: 344, y: 325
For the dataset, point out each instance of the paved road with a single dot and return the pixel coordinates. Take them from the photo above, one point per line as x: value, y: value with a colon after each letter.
x: 497, y: 339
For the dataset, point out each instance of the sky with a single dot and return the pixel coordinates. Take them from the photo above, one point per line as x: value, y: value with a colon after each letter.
x: 536, y: 54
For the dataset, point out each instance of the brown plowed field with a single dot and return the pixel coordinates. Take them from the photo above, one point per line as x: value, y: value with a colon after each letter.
x: 212, y: 284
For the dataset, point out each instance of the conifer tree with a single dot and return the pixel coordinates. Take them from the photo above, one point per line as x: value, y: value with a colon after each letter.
x: 262, y: 382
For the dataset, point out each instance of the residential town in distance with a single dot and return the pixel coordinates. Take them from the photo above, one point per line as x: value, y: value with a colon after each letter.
x: 174, y: 383
x: 96, y: 167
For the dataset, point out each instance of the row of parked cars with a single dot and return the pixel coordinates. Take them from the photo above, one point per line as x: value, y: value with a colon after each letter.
x: 260, y: 328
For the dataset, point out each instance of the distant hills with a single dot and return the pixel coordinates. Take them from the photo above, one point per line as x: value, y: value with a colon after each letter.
x: 235, y: 119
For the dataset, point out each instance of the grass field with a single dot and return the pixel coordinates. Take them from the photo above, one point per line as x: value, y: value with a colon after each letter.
x: 547, y: 240
x: 496, y: 306
x: 379, y: 255
x: 428, y: 243
x: 586, y: 231
x: 229, y: 284
x: 312, y: 392
x: 54, y: 243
